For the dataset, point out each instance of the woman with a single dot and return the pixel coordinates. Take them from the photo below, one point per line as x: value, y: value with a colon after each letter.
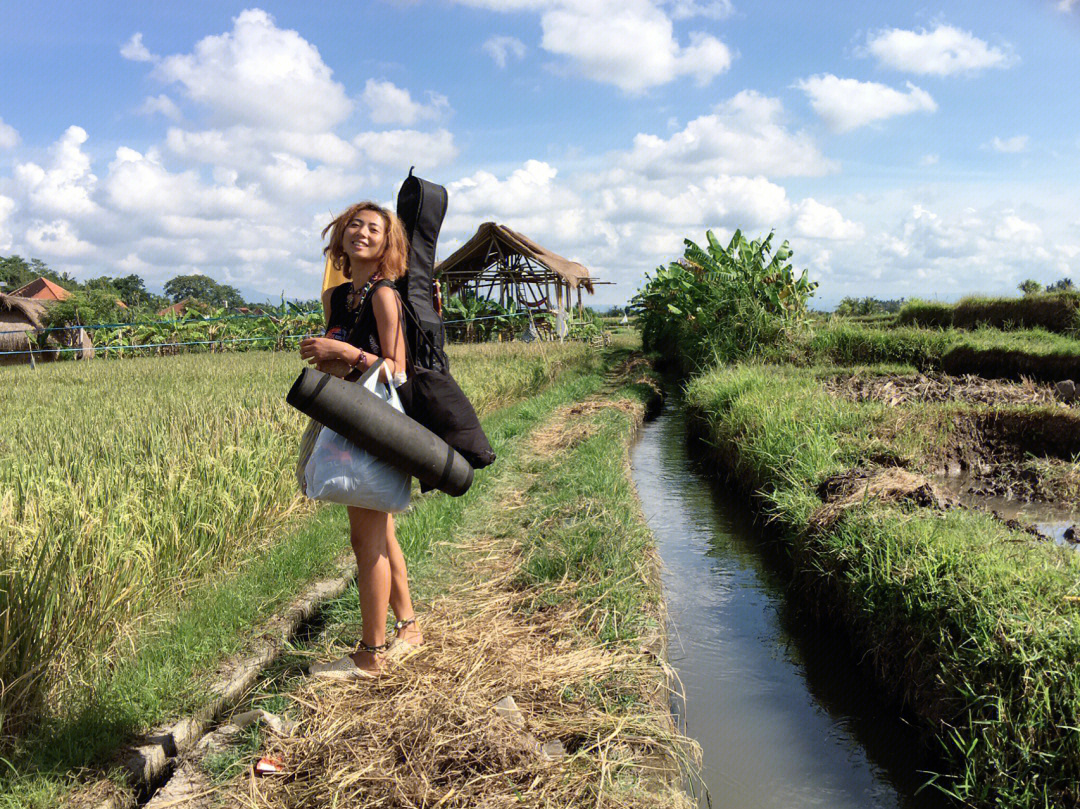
x: 368, y: 245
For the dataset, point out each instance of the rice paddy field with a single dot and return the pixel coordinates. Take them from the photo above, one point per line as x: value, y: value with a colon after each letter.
x: 128, y: 488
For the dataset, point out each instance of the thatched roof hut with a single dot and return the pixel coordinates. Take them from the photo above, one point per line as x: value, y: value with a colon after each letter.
x: 500, y: 261
x: 21, y: 321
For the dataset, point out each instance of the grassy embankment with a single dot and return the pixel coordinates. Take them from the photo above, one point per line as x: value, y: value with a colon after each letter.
x: 974, y: 624
x: 1003, y: 338
x: 987, y: 352
x: 540, y: 585
x: 1055, y: 312
x: 149, y: 520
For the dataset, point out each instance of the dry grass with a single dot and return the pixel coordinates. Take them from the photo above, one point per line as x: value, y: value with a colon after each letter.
x: 570, y: 426
x: 427, y: 733
x: 899, y: 389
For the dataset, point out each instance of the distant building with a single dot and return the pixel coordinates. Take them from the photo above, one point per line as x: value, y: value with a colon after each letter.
x: 42, y: 290
x: 178, y: 309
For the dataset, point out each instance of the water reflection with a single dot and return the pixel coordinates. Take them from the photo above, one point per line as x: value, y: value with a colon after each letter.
x: 784, y: 717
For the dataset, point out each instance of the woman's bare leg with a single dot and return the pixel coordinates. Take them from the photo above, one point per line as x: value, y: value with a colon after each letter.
x: 368, y: 532
x: 400, y: 599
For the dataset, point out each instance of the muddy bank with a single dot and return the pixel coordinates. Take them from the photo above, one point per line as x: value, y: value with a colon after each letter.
x: 1018, y: 441
x: 897, y: 389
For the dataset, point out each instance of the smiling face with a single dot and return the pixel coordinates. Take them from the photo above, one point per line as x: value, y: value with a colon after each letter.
x: 368, y: 238
x: 364, y: 237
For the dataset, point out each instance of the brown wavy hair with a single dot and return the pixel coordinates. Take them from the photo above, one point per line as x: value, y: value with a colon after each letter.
x: 394, y: 259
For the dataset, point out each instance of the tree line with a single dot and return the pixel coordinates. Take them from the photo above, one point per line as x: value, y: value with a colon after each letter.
x: 99, y: 299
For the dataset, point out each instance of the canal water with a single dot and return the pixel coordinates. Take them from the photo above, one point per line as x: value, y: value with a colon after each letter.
x: 783, y: 713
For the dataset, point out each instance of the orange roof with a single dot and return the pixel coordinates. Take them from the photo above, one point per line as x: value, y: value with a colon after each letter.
x: 43, y: 290
x: 176, y: 309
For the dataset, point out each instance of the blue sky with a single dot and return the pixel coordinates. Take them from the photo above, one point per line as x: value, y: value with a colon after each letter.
x: 904, y: 150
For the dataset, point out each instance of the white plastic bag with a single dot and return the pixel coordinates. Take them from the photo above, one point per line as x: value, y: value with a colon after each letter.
x: 338, y: 471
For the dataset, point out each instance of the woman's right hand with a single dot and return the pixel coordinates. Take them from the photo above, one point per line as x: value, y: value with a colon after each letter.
x: 335, y: 368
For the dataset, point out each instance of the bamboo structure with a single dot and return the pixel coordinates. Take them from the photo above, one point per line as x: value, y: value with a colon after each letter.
x: 501, y: 264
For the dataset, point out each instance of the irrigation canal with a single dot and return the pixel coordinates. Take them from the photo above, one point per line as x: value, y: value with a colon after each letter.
x: 783, y: 713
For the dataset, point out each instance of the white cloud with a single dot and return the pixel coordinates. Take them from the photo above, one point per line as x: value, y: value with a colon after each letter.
x: 65, y: 187
x: 161, y: 104
x: 946, y: 248
x: 56, y: 239
x: 846, y: 104
x: 929, y: 159
x: 502, y: 48
x: 260, y: 75
x: 1066, y: 6
x: 712, y: 9
x: 390, y: 104
x: 402, y: 148
x: 135, y: 51
x: 249, y: 148
x: 818, y: 221
x: 139, y: 184
x: 941, y: 52
x: 532, y: 201
x: 1010, y: 145
x: 9, y: 137
x: 745, y: 135
x: 527, y: 189
x: 629, y: 43
x: 724, y: 199
x: 289, y: 177
x: 1014, y: 229
x: 7, y: 208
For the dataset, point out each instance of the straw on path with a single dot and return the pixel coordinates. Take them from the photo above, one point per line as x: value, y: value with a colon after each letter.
x: 426, y: 733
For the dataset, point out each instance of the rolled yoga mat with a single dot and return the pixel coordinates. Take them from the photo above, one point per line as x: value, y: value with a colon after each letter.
x: 373, y: 425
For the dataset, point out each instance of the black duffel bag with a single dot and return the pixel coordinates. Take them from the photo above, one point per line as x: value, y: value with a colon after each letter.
x: 432, y: 397
x: 435, y: 400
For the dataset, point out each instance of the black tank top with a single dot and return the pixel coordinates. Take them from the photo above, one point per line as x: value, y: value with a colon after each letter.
x: 355, y: 326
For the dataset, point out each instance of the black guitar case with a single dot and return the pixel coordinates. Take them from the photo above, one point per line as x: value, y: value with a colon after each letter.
x: 421, y: 206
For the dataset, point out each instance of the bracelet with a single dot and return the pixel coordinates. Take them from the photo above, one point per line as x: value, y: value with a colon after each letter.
x: 361, y: 357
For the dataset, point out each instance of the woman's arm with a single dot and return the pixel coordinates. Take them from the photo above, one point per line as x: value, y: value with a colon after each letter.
x: 387, y: 308
x: 326, y: 354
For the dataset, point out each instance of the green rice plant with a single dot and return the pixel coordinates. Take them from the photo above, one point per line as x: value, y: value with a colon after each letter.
x: 125, y: 485
x: 856, y: 344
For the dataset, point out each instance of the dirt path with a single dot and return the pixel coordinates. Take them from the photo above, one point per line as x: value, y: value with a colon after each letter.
x: 526, y: 692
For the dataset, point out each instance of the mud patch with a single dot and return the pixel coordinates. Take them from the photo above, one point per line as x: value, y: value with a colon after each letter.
x: 1016, y: 441
x: 885, y: 485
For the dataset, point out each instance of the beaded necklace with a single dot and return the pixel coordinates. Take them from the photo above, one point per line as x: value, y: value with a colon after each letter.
x: 356, y: 297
